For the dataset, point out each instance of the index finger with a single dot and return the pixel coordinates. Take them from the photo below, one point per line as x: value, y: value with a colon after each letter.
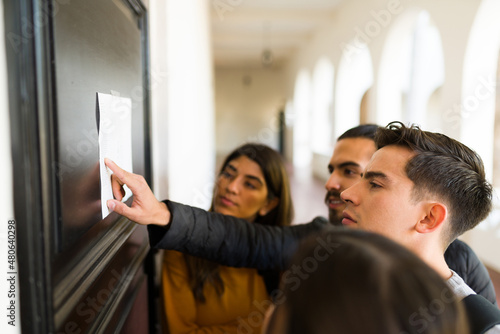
x: 131, y: 180
x: 121, y: 174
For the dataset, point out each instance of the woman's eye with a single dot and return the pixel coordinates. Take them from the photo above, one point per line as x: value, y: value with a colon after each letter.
x: 250, y: 185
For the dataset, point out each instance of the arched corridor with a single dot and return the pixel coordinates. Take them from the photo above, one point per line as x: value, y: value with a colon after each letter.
x: 198, y: 79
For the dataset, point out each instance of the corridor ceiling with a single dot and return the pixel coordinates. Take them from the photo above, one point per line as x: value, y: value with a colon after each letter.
x: 243, y: 29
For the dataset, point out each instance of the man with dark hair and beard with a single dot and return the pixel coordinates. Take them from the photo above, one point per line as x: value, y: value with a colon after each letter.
x: 351, y: 154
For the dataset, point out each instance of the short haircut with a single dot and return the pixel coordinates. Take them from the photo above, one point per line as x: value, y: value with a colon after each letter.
x: 361, y: 131
x: 444, y: 167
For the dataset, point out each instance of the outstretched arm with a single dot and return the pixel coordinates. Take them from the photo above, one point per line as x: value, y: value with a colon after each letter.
x: 228, y: 240
x: 224, y: 239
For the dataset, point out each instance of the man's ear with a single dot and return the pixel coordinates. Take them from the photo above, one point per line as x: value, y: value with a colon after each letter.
x: 271, y: 204
x: 436, y: 214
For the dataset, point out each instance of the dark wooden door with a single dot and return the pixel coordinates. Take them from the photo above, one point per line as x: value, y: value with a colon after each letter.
x: 78, y: 273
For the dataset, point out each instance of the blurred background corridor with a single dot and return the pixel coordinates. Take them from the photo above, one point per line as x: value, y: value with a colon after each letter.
x: 208, y: 76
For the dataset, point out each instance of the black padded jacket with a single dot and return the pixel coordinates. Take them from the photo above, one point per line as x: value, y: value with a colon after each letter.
x: 235, y: 242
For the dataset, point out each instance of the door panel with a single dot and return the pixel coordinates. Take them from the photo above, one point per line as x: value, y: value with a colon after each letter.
x: 78, y: 273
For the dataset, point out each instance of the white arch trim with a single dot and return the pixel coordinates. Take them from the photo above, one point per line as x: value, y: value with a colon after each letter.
x: 301, y: 109
x: 479, y: 83
x: 322, y: 99
x: 354, y: 78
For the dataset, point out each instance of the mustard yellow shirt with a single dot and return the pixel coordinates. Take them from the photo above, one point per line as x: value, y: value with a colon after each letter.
x: 240, y: 309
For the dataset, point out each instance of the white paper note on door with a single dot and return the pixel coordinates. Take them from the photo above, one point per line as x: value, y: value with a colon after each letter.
x: 114, y: 115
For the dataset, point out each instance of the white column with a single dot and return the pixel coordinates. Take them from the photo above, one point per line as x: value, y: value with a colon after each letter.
x: 182, y: 101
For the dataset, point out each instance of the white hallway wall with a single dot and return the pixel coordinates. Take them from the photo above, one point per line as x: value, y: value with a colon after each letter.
x: 354, y: 18
x: 182, y: 101
x: 247, y: 106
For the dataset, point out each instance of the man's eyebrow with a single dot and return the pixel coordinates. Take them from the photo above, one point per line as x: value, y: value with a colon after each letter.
x: 345, y: 164
x: 349, y: 164
x: 231, y: 167
x: 371, y: 175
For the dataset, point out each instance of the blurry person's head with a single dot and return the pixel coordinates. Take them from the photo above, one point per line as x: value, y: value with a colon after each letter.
x: 351, y: 154
x: 363, y: 283
x: 419, y: 185
x: 253, y: 184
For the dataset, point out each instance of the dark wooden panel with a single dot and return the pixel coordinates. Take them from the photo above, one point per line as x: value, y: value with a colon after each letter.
x: 97, y: 48
x: 92, y: 301
x: 79, y: 273
x: 137, y: 319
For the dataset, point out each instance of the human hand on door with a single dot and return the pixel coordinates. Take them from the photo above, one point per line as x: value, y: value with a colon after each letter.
x: 145, y: 208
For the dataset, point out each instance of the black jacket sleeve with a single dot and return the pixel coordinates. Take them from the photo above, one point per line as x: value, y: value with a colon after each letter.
x: 462, y: 259
x: 228, y: 240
